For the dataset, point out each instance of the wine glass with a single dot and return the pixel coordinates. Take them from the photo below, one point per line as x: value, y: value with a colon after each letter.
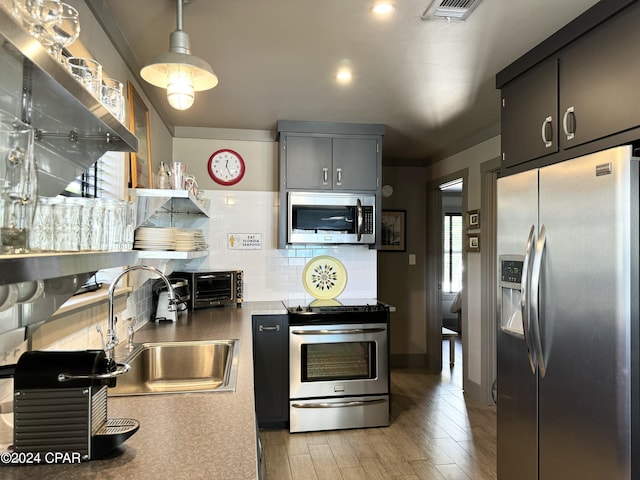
x: 37, y: 15
x: 63, y: 32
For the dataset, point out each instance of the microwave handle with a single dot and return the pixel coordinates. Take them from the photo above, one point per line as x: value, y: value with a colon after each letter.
x: 360, y: 218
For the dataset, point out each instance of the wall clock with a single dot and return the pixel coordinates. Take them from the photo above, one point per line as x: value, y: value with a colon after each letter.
x: 226, y: 167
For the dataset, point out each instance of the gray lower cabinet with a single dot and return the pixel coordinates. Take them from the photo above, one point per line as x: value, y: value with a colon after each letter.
x: 271, y: 369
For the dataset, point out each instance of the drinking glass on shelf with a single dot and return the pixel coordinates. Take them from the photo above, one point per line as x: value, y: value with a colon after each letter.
x: 18, y: 183
x: 113, y: 97
x: 37, y: 15
x: 97, y: 225
x: 41, y: 234
x: 63, y: 32
x: 66, y: 225
x: 88, y: 72
x: 86, y: 212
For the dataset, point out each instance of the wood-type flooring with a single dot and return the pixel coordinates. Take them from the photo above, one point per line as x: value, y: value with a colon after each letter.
x: 436, y: 433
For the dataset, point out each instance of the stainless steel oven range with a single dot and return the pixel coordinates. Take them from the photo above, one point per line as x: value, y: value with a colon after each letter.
x: 338, y: 365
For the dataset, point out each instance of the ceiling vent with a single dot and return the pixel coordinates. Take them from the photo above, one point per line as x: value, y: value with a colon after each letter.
x: 450, y: 9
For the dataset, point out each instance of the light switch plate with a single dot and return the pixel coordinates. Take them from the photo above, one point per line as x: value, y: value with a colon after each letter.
x: 412, y: 259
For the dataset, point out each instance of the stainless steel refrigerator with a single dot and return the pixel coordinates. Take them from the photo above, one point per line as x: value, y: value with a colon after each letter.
x: 567, y: 339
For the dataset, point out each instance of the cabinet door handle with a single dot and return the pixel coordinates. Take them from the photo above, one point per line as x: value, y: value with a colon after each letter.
x: 338, y: 176
x: 547, y: 124
x: 565, y: 123
x: 325, y: 176
x: 274, y: 328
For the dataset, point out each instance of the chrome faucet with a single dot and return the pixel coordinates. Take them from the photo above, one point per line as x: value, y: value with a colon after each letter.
x: 112, y: 337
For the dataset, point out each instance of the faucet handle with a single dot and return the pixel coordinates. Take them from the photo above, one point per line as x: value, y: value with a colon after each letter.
x: 131, y: 330
x: 99, y: 329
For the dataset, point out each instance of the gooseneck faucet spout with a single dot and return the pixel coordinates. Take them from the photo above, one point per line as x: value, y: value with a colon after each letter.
x: 112, y: 337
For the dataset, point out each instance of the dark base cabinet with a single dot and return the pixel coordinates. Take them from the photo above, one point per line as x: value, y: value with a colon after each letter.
x: 271, y: 369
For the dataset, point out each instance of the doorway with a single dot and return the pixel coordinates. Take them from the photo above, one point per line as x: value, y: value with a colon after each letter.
x: 452, y: 261
x: 446, y: 275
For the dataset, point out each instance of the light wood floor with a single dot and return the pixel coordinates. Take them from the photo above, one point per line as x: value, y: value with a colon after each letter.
x: 435, y: 434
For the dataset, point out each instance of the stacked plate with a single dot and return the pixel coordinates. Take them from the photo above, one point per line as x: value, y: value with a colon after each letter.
x: 190, y: 239
x: 155, y: 238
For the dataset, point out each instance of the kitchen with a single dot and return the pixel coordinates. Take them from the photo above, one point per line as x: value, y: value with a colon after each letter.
x: 409, y: 340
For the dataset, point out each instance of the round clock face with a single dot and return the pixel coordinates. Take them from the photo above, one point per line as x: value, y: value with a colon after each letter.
x: 226, y: 167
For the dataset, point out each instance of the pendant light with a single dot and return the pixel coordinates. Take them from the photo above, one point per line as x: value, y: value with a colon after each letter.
x: 178, y: 71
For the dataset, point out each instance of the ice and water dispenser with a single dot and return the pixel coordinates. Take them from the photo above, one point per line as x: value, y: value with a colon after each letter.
x: 510, y: 292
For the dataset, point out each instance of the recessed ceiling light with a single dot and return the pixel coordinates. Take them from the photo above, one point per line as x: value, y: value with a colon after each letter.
x: 383, y: 8
x: 344, y: 75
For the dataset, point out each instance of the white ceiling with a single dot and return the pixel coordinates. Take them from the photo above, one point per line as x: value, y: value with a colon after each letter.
x: 432, y: 83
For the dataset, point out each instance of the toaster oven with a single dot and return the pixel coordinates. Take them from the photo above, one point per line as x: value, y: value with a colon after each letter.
x: 213, y: 288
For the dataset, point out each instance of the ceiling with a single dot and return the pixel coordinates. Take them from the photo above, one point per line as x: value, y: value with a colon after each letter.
x: 430, y: 82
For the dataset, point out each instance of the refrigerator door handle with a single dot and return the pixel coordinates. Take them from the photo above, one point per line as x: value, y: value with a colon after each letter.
x: 535, y: 299
x: 524, y: 298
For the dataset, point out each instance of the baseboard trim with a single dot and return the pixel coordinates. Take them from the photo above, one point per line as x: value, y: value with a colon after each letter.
x: 475, y: 391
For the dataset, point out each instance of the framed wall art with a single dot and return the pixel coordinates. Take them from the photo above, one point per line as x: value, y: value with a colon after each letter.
x: 140, y: 161
x: 473, y: 219
x: 394, y: 231
x: 473, y: 242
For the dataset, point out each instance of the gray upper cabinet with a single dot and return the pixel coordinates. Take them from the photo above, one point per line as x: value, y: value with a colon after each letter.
x: 579, y: 97
x: 530, y: 115
x: 599, y: 93
x: 330, y: 156
x: 355, y: 163
x: 330, y: 162
x: 308, y: 161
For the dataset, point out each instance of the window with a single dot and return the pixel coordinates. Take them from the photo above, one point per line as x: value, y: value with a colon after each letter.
x: 103, y: 179
x: 452, y: 253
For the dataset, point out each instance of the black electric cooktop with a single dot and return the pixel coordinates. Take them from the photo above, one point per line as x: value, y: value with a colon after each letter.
x: 353, y: 310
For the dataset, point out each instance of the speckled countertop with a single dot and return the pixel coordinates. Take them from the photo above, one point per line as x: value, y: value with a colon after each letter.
x: 194, y: 435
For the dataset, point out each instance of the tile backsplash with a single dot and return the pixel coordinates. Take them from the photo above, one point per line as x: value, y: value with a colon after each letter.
x: 271, y: 273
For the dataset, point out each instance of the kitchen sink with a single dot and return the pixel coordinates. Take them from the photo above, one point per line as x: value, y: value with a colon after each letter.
x: 180, y: 367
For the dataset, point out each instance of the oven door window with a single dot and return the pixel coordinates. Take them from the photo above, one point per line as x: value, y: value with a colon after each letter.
x: 214, y: 287
x: 338, y: 361
x: 329, y: 218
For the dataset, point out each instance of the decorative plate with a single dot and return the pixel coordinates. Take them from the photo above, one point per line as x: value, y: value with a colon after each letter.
x: 324, y: 277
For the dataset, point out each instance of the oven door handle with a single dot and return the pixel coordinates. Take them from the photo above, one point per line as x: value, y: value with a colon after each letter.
x: 354, y: 403
x: 347, y: 331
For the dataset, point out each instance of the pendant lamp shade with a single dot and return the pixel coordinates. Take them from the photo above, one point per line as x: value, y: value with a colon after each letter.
x: 178, y: 71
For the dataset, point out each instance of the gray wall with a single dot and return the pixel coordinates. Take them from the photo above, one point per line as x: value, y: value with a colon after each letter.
x: 399, y: 283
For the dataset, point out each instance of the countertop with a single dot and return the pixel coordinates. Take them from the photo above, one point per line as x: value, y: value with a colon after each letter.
x: 195, y: 435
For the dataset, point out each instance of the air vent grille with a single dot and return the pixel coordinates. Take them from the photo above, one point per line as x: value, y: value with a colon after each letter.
x: 450, y: 9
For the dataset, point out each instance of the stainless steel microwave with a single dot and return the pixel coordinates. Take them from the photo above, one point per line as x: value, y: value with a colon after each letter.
x: 213, y: 289
x: 331, y: 218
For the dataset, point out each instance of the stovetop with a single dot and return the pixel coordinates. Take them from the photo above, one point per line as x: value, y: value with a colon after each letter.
x: 336, y: 311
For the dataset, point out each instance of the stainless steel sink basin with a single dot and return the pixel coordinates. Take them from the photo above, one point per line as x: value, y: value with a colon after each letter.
x: 180, y: 367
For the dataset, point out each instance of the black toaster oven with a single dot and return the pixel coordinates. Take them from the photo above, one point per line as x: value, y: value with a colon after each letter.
x: 213, y: 288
